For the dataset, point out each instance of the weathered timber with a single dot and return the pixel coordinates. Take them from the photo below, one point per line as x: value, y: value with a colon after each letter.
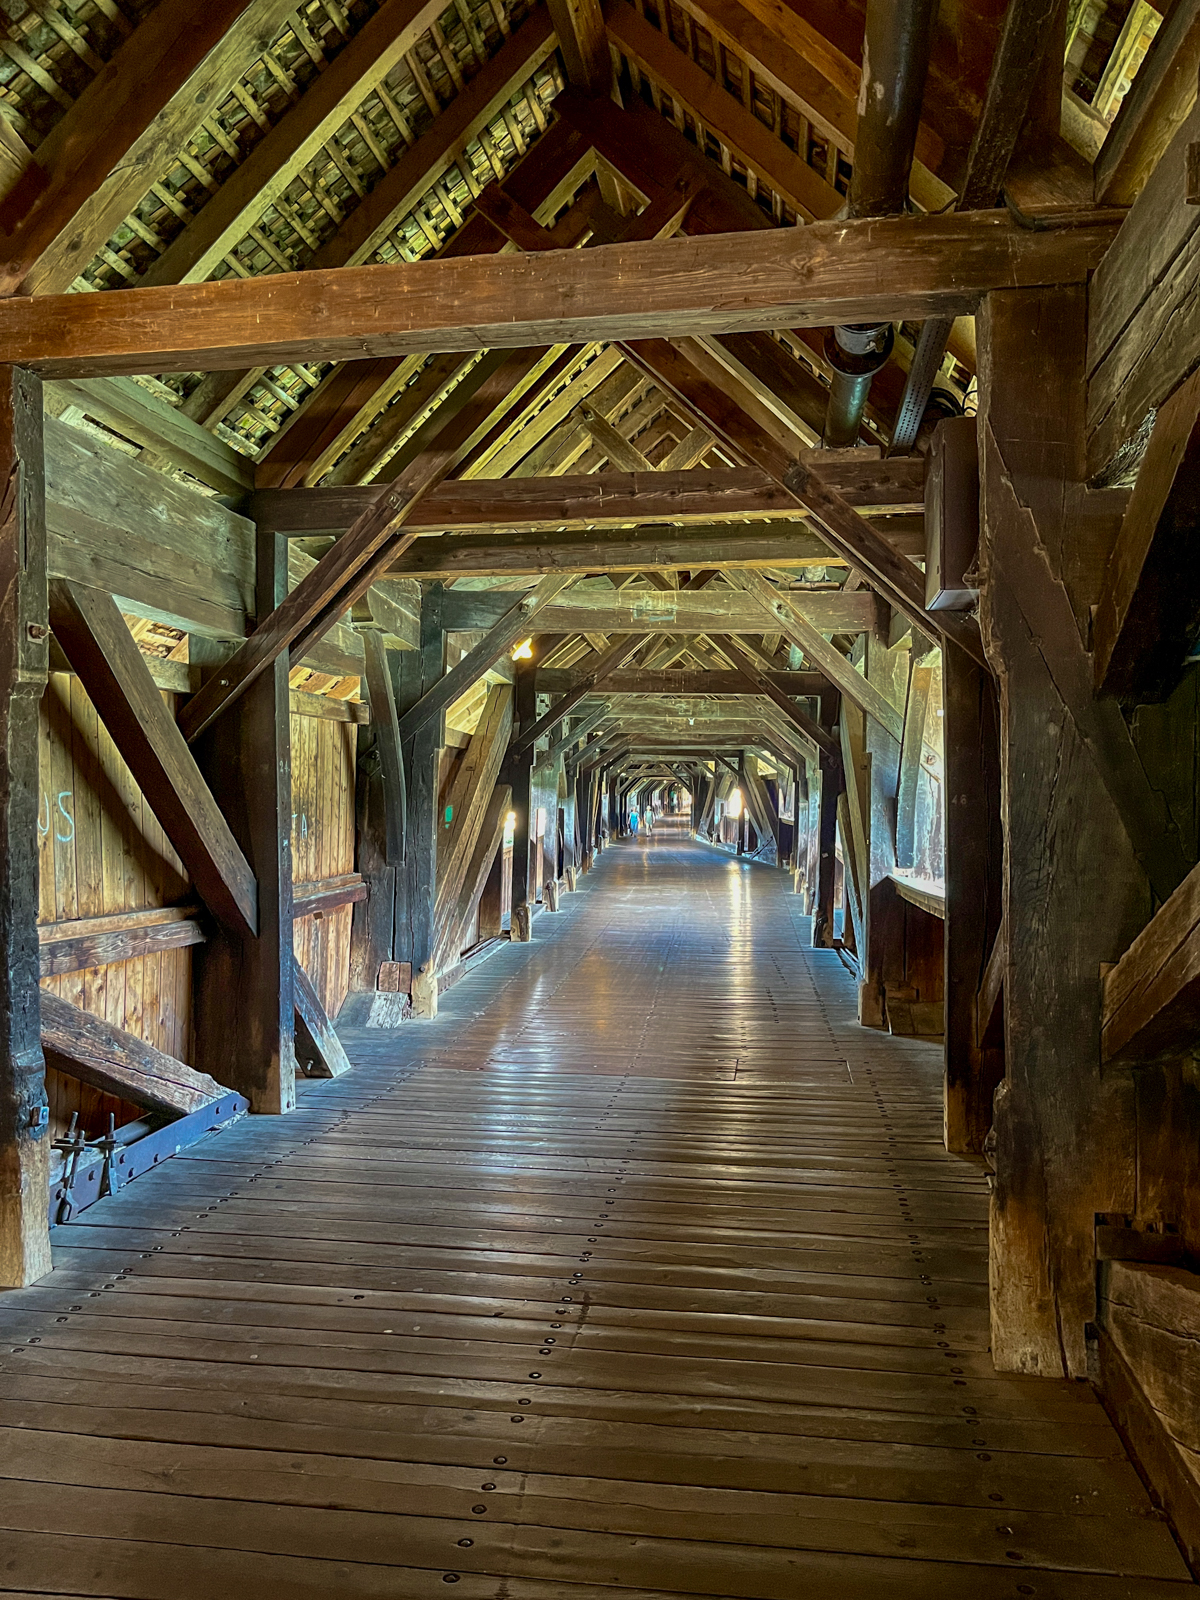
x: 24, y: 1113
x: 119, y: 1063
x: 345, y: 573
x: 1151, y: 998
x: 700, y: 494
x: 1150, y: 114
x: 102, y: 651
x: 849, y: 534
x: 680, y: 681
x: 247, y: 760
x: 97, y: 941
x: 327, y: 894
x: 509, y: 630
x: 1143, y: 338
x: 470, y: 795
x: 724, y: 545
x: 911, y: 747
x: 437, y: 150
x: 1149, y: 611
x: 387, y: 746
x: 974, y: 874
x: 822, y: 741
x: 890, y: 269
x: 709, y: 611
x: 737, y: 126
x: 788, y: 608
x: 318, y: 1048
x: 600, y: 672
x: 1062, y: 1128
x: 292, y: 142
x: 417, y: 673
x: 1147, y: 1326
x: 131, y: 411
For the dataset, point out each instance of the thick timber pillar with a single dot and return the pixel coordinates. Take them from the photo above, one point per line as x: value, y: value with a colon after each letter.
x: 518, y: 773
x: 416, y: 882
x: 974, y: 1064
x: 1074, y: 891
x: 245, y: 983
x: 24, y: 634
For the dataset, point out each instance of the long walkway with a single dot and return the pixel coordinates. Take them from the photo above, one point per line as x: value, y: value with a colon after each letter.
x: 640, y: 1272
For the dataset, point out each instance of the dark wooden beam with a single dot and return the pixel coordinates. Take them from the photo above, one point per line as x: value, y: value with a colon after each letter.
x: 673, y: 681
x: 1148, y: 617
x: 601, y: 670
x: 1151, y: 113
x: 765, y: 685
x: 101, y: 649
x: 1151, y: 997
x: 511, y: 628
x: 700, y: 494
x: 99, y: 941
x: 345, y: 573
x: 891, y: 269
x: 119, y: 1063
x: 24, y: 1112
x: 246, y: 759
x: 318, y: 1048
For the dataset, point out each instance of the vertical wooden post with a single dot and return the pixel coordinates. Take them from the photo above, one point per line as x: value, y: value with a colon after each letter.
x: 1074, y: 892
x: 245, y: 983
x: 518, y: 772
x: 416, y: 672
x: 973, y: 874
x: 829, y: 789
x: 380, y: 819
x: 24, y: 634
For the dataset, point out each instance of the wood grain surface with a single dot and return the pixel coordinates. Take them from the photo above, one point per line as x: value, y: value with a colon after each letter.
x: 640, y: 1271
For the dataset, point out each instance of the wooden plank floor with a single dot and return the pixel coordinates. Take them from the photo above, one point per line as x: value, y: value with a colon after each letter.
x: 640, y: 1272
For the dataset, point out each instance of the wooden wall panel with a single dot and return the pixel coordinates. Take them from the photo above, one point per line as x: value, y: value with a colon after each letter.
x: 323, y: 756
x: 102, y: 851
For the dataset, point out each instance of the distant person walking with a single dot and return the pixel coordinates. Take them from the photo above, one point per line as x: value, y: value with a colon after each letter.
x: 633, y: 823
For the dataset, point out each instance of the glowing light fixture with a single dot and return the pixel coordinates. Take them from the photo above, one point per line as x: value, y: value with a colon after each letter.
x: 733, y: 807
x: 523, y: 651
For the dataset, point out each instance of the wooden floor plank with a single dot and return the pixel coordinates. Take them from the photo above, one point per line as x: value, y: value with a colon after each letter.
x: 639, y: 1272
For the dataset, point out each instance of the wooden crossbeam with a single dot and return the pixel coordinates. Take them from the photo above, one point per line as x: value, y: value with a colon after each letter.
x: 672, y: 681
x: 825, y: 657
x: 468, y: 799
x: 97, y: 941
x: 317, y: 1043
x: 783, y: 545
x: 345, y: 573
x: 889, y: 269
x: 708, y: 612
x: 698, y: 494
x: 1151, y: 998
x: 113, y: 670
x: 765, y: 685
x: 509, y: 630
x: 116, y: 1062
x: 607, y: 663
x: 1149, y: 611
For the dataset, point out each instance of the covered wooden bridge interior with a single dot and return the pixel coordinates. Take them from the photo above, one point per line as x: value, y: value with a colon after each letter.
x: 599, y: 627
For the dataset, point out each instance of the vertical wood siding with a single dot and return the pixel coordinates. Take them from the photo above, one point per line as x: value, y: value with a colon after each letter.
x: 101, y: 851
x: 323, y: 755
